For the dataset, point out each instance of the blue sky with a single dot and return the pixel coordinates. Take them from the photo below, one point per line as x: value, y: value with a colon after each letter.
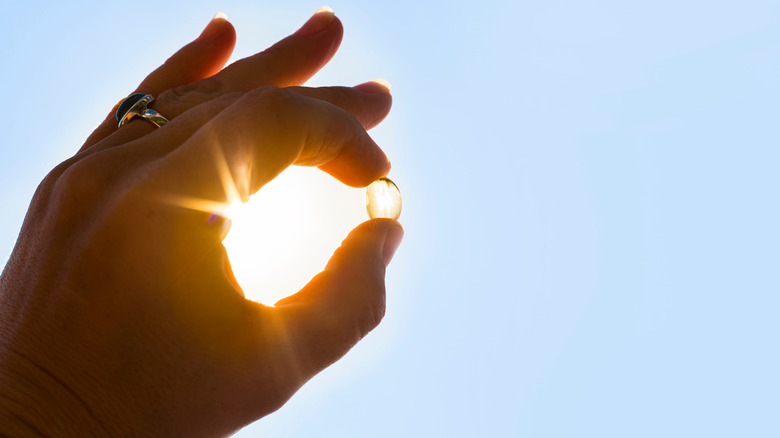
x: 590, y: 203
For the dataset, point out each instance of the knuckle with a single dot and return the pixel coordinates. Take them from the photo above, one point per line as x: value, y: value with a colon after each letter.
x: 341, y: 96
x: 228, y: 98
x: 271, y: 95
x: 176, y: 94
x: 50, y: 180
x: 63, y: 193
x: 276, y: 103
x: 70, y: 193
x: 80, y: 183
x: 178, y: 99
x: 201, y: 114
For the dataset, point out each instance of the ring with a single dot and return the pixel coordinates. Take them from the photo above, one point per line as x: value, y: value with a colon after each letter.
x: 136, y: 105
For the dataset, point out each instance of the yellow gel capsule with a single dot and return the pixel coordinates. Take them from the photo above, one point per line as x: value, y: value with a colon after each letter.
x: 383, y: 199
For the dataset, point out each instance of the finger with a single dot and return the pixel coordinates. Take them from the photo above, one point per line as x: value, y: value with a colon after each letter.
x: 259, y: 135
x: 192, y: 64
x: 202, y: 58
x: 291, y: 61
x: 369, y: 102
x: 368, y: 107
x: 344, y: 302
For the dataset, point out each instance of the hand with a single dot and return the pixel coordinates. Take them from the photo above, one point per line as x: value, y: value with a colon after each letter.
x: 119, y: 314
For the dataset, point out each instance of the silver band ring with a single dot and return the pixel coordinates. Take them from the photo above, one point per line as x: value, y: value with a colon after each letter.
x: 136, y: 105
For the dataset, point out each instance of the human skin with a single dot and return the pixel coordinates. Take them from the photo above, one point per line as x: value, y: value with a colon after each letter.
x: 119, y: 315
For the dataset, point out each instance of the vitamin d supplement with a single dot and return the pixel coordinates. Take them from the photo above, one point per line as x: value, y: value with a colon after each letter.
x: 383, y: 199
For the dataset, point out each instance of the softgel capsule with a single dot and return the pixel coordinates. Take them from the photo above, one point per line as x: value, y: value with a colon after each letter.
x: 383, y: 199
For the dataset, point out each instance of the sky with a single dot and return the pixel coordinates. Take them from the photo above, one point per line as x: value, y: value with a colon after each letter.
x: 590, y: 202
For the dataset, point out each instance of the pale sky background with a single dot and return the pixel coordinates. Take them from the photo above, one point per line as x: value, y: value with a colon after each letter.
x: 590, y: 202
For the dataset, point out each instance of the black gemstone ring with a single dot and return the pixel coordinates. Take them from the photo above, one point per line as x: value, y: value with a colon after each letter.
x: 136, y: 105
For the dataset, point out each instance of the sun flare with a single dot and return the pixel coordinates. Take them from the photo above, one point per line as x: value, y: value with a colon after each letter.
x: 287, y: 231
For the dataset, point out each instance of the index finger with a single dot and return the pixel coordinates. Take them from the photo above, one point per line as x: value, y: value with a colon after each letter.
x: 259, y: 135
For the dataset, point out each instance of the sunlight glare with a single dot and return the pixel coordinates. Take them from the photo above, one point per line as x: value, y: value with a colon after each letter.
x: 287, y: 231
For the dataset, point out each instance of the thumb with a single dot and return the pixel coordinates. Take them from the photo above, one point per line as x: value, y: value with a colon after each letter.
x: 345, y: 301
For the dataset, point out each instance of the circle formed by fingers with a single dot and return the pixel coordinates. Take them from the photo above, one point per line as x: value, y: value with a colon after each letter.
x: 136, y: 105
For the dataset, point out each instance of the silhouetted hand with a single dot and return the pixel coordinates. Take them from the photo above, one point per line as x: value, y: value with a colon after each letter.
x: 119, y: 315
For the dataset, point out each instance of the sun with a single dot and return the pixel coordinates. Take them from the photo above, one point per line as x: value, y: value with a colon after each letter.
x: 287, y: 231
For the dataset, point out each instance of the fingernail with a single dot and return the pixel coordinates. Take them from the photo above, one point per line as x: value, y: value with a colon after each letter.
x: 378, y: 86
x: 215, y: 25
x: 319, y: 21
x: 392, y: 240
